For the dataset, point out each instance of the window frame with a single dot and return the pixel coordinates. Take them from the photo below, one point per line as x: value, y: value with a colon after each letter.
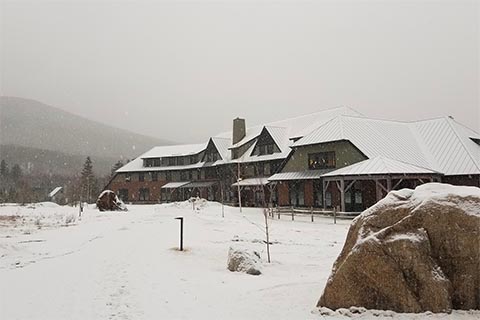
x: 321, y: 155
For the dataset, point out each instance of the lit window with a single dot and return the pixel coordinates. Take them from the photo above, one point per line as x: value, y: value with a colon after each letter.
x: 322, y: 160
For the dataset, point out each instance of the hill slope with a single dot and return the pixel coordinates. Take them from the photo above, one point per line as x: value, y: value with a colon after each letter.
x: 32, y: 124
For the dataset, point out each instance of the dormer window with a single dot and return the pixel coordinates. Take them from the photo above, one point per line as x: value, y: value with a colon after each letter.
x: 211, y: 157
x: 151, y: 162
x: 321, y: 160
x: 265, y: 149
x: 265, y: 144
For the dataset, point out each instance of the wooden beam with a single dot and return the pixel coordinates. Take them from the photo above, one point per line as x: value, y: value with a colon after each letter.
x: 342, y: 194
x: 397, y: 184
x: 389, y: 184
x: 350, y: 185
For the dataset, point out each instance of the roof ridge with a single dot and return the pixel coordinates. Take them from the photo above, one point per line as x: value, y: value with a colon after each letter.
x: 342, y: 131
x: 448, y: 119
x: 423, y: 147
x: 315, y: 130
x: 315, y: 112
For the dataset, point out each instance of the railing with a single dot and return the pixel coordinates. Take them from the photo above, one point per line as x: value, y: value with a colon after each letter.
x: 292, y: 212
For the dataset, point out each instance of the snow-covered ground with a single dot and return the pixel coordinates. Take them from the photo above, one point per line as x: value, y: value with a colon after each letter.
x: 125, y: 265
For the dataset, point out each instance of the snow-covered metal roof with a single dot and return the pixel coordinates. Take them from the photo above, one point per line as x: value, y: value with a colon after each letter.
x: 298, y: 126
x: 251, y: 182
x: 175, y: 185
x: 440, y: 145
x: 199, y: 184
x: 174, y: 151
x: 222, y: 145
x: 54, y: 192
x: 297, y: 175
x: 450, y: 146
x: 379, y: 166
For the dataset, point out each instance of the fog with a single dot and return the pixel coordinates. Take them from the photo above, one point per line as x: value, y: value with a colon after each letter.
x: 183, y: 70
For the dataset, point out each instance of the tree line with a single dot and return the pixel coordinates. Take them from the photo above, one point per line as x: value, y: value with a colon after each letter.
x: 19, y: 185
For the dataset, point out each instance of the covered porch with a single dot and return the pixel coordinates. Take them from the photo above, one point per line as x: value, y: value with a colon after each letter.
x: 184, y: 190
x: 363, y: 184
x: 254, y: 192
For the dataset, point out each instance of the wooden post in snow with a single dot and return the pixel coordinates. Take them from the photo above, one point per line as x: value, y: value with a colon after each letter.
x: 238, y: 186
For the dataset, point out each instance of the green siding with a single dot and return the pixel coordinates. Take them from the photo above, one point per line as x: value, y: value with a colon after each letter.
x: 345, y: 153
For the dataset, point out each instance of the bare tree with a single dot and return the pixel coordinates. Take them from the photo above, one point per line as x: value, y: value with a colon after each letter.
x: 265, y: 216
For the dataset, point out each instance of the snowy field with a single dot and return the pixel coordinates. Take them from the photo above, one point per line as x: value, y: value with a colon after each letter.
x: 125, y: 265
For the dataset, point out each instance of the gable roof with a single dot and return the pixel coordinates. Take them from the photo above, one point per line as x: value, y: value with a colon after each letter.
x: 174, y: 151
x: 298, y: 126
x: 441, y: 144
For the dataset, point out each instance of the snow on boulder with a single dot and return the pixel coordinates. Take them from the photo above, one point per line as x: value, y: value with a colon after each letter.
x: 414, y: 251
x: 244, y: 260
x: 108, y: 201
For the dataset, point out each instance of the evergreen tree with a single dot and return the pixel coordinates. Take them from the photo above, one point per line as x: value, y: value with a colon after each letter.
x: 88, y: 180
x: 3, y: 169
x: 16, y: 172
x: 116, y: 166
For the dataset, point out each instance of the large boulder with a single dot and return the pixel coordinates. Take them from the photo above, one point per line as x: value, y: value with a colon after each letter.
x: 108, y: 201
x: 244, y: 260
x: 414, y: 251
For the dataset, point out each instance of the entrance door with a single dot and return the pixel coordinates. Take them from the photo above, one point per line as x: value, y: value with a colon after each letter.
x: 354, y: 200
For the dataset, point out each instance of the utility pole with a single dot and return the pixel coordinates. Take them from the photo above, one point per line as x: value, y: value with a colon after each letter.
x: 238, y: 186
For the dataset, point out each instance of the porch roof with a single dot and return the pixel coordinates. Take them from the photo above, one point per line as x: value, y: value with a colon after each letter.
x: 199, y: 184
x: 174, y: 185
x: 298, y: 175
x: 380, y: 166
x: 251, y: 182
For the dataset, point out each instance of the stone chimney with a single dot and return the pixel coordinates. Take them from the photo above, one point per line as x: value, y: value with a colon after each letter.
x: 239, y: 130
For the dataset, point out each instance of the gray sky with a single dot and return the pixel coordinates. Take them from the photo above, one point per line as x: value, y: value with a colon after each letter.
x: 183, y: 70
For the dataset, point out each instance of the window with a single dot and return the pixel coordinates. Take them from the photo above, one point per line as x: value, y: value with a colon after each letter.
x: 144, y: 194
x: 156, y: 162
x: 123, y: 194
x: 172, y: 161
x: 297, y: 194
x: 328, y: 199
x: 180, y: 161
x: 128, y: 177
x: 141, y: 177
x: 168, y: 176
x: 154, y: 176
x: 265, y: 149
x: 182, y: 175
x: 211, y: 157
x: 317, y: 193
x: 322, y: 160
x: 211, y: 173
x: 193, y: 159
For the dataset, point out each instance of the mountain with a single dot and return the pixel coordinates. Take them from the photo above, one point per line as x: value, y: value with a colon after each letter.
x: 48, y: 137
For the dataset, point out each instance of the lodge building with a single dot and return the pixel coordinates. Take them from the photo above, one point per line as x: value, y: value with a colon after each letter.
x: 333, y: 158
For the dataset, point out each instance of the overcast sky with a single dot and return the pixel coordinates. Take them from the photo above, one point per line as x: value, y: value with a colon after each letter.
x: 183, y: 70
